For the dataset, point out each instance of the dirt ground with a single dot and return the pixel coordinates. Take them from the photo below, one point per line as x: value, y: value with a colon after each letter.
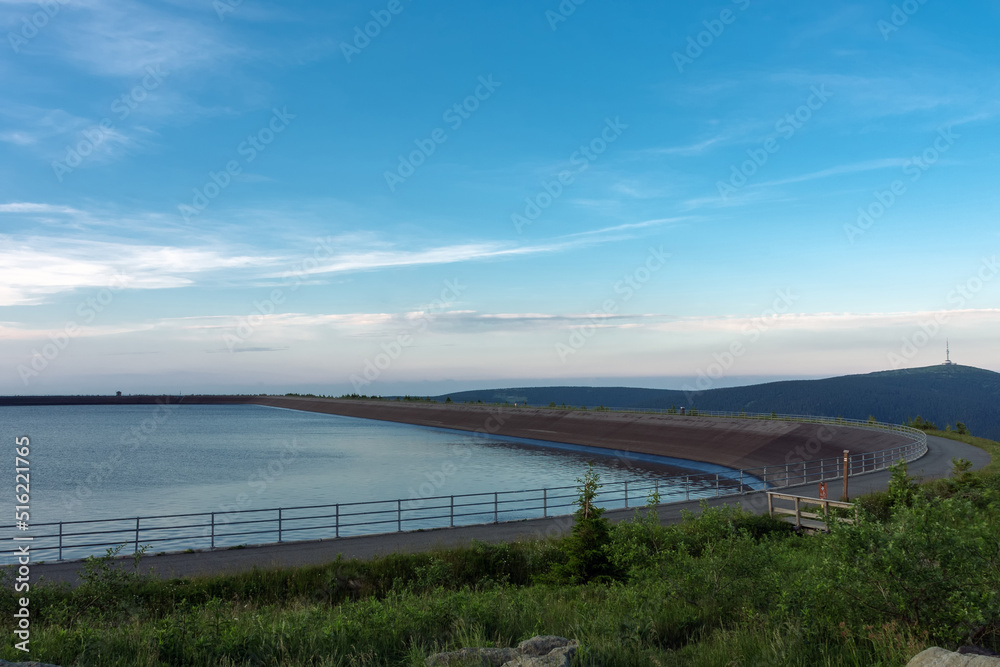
x: 734, y: 443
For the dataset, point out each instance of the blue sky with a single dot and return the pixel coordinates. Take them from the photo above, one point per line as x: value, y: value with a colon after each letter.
x: 397, y: 197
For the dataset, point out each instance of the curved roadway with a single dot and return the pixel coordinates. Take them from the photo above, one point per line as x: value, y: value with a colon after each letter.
x: 935, y: 464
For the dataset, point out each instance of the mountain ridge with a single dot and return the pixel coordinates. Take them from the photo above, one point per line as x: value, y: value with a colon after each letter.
x: 943, y: 394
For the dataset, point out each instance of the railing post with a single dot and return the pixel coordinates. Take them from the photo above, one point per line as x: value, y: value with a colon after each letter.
x: 213, y: 530
x: 786, y: 474
x: 60, y: 540
x: 496, y: 507
x: 847, y: 459
x: 545, y: 503
x: 687, y: 488
x: 137, y: 534
x: 626, y: 495
x: 741, y: 481
x: 798, y: 513
x: 399, y: 516
x: 336, y: 529
x: 770, y: 504
x: 279, y: 524
x: 451, y: 517
x: 717, y: 490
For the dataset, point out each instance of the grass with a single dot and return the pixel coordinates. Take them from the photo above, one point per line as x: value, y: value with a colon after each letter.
x: 921, y: 568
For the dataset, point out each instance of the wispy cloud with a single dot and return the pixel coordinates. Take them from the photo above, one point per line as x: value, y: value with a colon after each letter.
x: 123, y: 38
x: 696, y: 148
x: 33, y: 207
x: 373, y: 259
x: 824, y: 321
x: 36, y: 268
x: 47, y: 132
x: 868, y: 165
x: 658, y: 222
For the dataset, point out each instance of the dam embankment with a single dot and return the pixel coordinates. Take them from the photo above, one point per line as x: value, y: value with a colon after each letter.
x: 730, y: 442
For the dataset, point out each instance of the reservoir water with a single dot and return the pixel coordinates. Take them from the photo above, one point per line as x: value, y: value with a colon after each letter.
x: 121, y: 461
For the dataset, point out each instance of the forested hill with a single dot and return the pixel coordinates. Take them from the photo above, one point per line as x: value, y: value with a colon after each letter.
x: 942, y: 394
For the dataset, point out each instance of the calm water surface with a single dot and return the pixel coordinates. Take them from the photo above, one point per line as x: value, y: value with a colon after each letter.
x: 96, y: 462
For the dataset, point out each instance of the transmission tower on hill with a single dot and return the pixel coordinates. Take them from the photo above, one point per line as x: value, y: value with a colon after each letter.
x: 947, y: 354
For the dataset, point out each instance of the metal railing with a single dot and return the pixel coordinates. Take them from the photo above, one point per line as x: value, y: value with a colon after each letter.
x: 228, y: 529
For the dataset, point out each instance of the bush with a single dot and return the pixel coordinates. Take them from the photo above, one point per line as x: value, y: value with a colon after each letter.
x: 933, y: 567
x: 586, y: 557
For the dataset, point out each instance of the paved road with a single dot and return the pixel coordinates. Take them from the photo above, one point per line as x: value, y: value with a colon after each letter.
x: 935, y: 464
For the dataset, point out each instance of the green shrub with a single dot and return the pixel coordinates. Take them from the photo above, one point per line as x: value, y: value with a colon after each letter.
x: 584, y: 550
x: 933, y: 567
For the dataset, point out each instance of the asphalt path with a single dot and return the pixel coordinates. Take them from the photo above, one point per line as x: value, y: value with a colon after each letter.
x: 935, y: 464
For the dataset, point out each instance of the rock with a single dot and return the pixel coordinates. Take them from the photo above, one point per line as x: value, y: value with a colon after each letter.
x: 938, y: 657
x: 474, y: 657
x: 542, y: 644
x: 557, y: 657
x: 543, y: 651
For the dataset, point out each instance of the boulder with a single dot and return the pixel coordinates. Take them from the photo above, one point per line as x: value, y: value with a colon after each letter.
x: 557, y: 657
x: 542, y: 644
x: 938, y: 657
x: 542, y: 651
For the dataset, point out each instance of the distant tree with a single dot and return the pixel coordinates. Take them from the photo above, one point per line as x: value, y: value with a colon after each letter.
x: 922, y: 424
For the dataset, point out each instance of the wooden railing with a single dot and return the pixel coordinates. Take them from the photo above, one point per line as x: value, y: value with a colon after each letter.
x: 798, y: 514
